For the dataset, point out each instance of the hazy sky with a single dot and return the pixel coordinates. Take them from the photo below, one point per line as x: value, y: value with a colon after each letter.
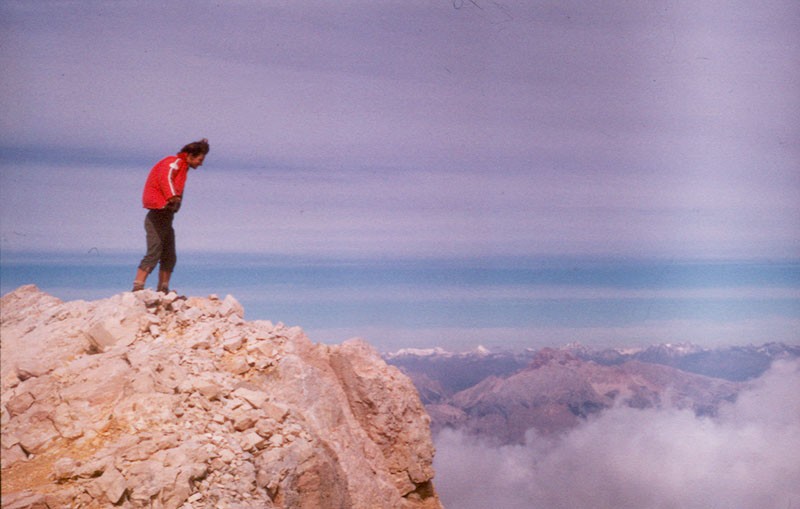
x: 444, y: 128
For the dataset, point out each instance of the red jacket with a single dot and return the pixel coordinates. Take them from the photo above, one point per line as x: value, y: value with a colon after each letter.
x: 166, y: 180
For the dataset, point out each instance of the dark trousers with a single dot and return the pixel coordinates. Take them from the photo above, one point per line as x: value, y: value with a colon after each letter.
x: 160, y: 241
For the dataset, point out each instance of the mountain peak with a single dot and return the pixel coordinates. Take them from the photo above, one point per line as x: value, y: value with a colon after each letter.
x: 481, y: 350
x: 548, y: 355
x: 144, y: 399
x: 418, y: 352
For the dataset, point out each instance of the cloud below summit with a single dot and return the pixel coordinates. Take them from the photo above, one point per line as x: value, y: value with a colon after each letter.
x: 628, y: 458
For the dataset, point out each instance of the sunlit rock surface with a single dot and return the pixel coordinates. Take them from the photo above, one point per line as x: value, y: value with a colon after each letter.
x: 147, y: 400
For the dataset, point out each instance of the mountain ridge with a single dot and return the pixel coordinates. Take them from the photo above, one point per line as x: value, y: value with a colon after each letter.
x: 502, y: 396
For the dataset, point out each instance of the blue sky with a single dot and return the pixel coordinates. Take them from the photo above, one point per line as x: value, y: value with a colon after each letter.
x: 408, y: 130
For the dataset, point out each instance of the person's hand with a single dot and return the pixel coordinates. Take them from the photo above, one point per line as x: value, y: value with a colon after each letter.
x: 174, y: 204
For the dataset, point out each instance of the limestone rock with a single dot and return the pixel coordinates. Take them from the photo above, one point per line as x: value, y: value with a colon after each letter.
x: 254, y: 398
x: 112, y: 484
x: 230, y: 306
x: 146, y: 400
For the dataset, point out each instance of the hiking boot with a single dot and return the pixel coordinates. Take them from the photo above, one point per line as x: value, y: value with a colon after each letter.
x: 137, y: 286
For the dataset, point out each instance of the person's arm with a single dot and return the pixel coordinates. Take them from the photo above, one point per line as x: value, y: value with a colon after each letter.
x: 170, y: 181
x: 172, y: 184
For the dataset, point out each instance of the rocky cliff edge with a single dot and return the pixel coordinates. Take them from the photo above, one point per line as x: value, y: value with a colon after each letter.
x: 146, y: 400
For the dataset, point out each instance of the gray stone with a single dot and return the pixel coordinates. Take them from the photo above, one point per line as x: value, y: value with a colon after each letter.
x: 275, y: 411
x: 31, y: 368
x: 230, y: 306
x: 255, y: 398
x: 24, y: 500
x: 11, y: 454
x: 251, y: 441
x: 244, y: 420
x: 18, y: 404
x: 233, y: 342
x: 38, y: 437
x: 105, y: 334
x: 190, y: 315
x: 209, y: 389
x: 65, y: 468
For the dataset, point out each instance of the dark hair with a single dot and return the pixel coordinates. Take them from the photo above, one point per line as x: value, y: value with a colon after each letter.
x: 196, y: 148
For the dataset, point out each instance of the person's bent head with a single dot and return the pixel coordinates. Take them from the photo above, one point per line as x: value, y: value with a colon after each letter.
x: 197, y: 147
x: 196, y: 152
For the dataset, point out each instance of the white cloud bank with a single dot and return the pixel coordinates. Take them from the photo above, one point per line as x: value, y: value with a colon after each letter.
x: 626, y: 458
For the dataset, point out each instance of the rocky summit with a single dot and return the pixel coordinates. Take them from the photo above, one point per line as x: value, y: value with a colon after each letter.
x: 150, y: 400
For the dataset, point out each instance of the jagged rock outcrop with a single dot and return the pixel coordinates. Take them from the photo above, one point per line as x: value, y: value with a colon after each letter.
x: 146, y: 400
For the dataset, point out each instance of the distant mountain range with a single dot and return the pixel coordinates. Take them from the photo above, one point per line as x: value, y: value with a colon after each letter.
x: 501, y: 395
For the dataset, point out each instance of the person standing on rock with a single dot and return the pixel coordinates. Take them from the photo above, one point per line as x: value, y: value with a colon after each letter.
x: 163, y: 193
